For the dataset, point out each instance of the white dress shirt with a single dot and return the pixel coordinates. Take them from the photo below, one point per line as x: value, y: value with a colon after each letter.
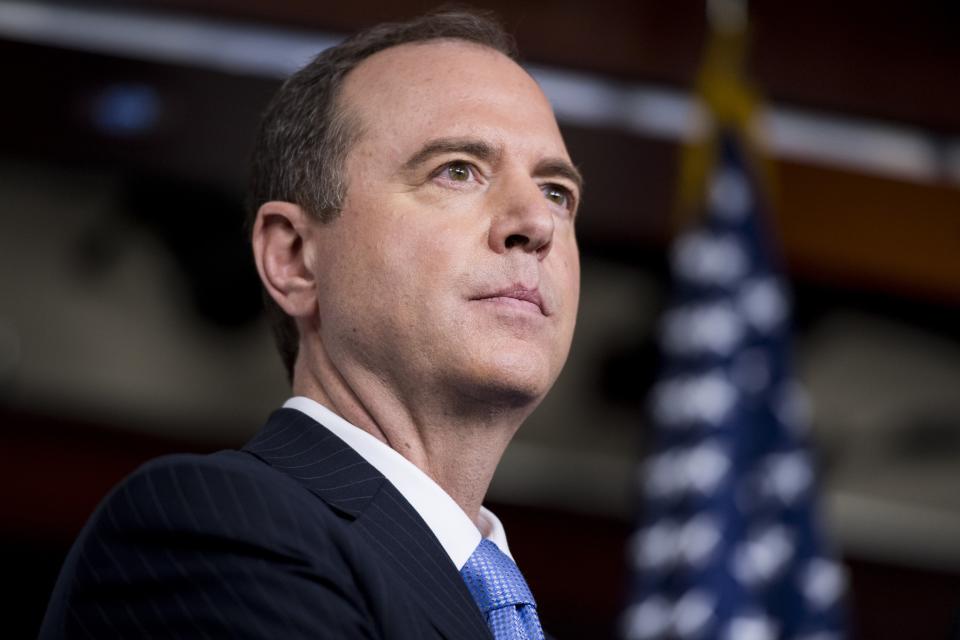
x: 457, y: 533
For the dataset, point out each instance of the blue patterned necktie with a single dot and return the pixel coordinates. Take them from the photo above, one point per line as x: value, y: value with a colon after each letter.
x: 502, y: 594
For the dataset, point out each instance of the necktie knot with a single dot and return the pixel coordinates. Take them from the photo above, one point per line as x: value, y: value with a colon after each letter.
x: 501, y: 593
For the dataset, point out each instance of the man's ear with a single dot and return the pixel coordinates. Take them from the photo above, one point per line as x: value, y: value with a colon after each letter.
x: 279, y: 234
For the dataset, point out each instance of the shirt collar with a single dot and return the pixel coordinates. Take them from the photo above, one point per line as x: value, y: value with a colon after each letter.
x: 458, y: 535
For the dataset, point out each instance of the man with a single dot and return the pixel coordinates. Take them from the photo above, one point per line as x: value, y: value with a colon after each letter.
x: 414, y: 223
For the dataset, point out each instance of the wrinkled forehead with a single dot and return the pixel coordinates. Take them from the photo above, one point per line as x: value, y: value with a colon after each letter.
x: 447, y: 84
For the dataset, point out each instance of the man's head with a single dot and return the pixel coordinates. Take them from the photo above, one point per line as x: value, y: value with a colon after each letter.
x: 304, y: 134
x: 435, y: 246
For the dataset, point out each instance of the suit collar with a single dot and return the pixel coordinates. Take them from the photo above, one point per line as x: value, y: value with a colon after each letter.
x: 407, y: 545
x: 457, y: 532
x: 297, y: 445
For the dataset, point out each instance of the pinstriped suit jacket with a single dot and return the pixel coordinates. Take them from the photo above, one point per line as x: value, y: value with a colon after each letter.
x: 295, y: 536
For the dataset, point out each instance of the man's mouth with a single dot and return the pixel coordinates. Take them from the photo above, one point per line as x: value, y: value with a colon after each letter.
x: 518, y: 296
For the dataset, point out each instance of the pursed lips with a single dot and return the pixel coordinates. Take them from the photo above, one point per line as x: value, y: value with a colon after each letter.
x: 530, y: 298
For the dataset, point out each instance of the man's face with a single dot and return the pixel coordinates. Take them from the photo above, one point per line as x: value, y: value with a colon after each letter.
x: 453, y: 265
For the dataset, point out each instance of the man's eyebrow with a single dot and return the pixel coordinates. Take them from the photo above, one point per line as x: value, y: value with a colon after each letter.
x: 559, y: 167
x: 547, y: 167
x: 469, y: 146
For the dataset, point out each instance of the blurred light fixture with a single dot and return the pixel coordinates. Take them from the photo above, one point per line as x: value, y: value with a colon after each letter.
x: 126, y: 110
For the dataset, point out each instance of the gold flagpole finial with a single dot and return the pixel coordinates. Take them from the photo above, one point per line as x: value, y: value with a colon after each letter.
x: 728, y: 96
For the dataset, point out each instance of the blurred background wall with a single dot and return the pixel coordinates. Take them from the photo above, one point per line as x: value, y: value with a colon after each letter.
x: 130, y: 319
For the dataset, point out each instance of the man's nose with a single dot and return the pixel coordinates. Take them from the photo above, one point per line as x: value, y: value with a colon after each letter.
x: 522, y: 218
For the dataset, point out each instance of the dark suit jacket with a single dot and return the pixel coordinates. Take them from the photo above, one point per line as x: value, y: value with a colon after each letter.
x: 295, y: 536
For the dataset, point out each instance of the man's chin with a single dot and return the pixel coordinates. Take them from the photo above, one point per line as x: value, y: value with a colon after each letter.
x: 509, y: 387
x: 508, y: 396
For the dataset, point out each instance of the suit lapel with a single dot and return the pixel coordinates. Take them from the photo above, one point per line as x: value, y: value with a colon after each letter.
x: 408, y: 546
x: 296, y: 444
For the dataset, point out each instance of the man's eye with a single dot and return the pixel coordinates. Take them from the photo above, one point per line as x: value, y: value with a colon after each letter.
x: 557, y: 195
x: 459, y: 171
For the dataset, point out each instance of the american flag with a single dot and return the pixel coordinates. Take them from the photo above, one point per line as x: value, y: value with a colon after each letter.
x: 730, y: 545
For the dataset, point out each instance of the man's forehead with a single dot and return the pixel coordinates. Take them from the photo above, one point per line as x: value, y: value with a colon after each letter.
x: 441, y: 84
x: 430, y: 71
x: 429, y: 56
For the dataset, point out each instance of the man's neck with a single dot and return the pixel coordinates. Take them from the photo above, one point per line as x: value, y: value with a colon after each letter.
x: 458, y: 443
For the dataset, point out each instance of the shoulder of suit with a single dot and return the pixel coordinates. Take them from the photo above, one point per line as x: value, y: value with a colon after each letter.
x: 228, y: 494
x: 186, y: 530
x: 224, y: 472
